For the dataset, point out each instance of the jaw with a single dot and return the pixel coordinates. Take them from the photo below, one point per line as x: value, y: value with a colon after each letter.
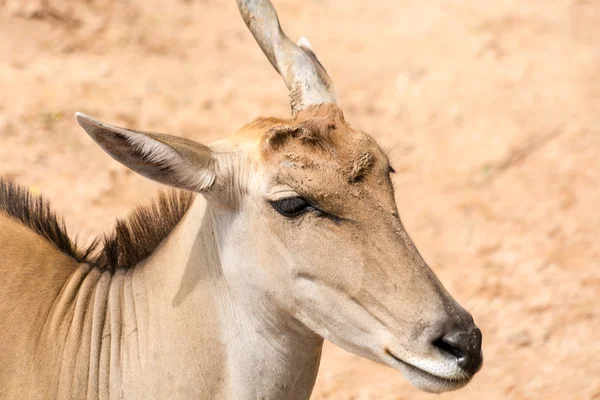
x: 367, y: 333
x: 434, y: 377
x: 426, y: 380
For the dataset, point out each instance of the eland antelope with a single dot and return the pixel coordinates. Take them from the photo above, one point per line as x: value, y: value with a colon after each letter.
x: 294, y: 238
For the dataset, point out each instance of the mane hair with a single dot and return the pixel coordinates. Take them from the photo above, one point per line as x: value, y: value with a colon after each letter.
x: 134, y: 238
x: 35, y: 213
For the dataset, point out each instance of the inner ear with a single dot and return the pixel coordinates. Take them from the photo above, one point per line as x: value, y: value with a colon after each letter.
x: 170, y: 160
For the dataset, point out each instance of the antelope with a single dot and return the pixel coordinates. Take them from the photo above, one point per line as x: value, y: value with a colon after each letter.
x: 294, y: 238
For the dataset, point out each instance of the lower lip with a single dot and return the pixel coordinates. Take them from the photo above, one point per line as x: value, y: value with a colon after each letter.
x: 453, y: 382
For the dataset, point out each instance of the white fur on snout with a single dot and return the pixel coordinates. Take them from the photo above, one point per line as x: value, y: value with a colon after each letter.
x: 440, y: 367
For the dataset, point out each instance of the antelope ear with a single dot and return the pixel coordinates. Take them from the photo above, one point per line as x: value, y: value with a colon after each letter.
x: 170, y: 160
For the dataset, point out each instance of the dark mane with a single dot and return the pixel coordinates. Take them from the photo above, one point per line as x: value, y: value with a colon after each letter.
x: 34, y: 212
x: 137, y: 236
x: 132, y: 241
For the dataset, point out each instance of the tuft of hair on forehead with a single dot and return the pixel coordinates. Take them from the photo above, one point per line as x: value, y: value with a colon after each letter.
x: 317, y: 134
x: 322, y: 118
x: 277, y: 136
x: 312, y: 126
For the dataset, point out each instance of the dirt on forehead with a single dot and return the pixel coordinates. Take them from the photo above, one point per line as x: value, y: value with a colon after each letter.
x: 490, y: 110
x: 319, y: 139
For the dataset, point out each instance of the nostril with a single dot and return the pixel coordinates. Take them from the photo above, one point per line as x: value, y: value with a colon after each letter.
x: 464, y: 346
x: 446, y: 346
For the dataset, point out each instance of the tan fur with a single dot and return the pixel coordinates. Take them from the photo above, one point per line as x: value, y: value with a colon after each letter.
x: 32, y: 272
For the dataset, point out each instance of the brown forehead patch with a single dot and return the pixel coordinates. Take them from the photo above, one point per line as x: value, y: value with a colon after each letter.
x: 277, y: 136
x: 319, y: 138
x: 312, y: 127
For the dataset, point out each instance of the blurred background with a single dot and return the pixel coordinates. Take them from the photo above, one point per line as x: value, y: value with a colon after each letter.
x: 491, y: 110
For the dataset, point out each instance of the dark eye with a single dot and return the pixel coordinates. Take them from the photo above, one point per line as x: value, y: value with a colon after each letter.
x: 392, y: 170
x: 292, y: 206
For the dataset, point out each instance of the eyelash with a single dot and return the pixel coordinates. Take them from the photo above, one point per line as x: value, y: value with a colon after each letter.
x: 292, y: 207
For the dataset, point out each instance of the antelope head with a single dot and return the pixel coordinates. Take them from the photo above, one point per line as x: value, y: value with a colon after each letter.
x: 309, y: 223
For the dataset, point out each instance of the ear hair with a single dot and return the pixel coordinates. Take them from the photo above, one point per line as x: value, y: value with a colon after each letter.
x: 167, y: 159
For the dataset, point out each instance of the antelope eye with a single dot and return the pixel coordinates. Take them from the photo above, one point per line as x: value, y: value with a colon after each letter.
x: 292, y: 206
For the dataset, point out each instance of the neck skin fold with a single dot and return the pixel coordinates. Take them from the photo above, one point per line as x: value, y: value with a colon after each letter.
x: 187, y: 322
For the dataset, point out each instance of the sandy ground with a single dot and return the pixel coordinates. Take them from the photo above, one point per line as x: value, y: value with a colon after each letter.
x: 492, y: 110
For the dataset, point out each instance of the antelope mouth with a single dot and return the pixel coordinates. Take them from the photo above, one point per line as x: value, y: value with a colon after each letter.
x: 426, y: 380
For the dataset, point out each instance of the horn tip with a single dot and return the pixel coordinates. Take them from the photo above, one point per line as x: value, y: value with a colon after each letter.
x: 303, y: 43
